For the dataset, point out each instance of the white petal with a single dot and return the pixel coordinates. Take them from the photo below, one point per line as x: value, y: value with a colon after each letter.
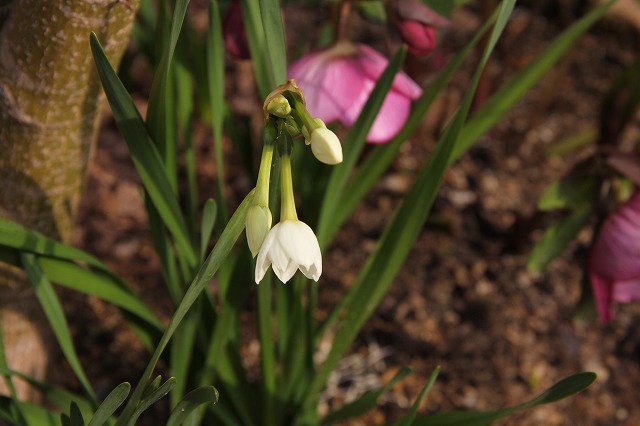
x: 301, y: 243
x: 264, y: 260
x: 285, y: 274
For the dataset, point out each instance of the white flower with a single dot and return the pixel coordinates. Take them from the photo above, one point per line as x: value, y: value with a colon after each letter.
x: 325, y: 145
x: 258, y: 224
x: 289, y: 246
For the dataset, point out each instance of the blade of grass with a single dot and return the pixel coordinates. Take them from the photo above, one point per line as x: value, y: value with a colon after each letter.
x: 506, y: 97
x: 407, y: 419
x: 214, y: 53
x: 8, y: 380
x: 53, y: 310
x: 110, y: 404
x: 564, y: 388
x: 257, y: 45
x: 397, y: 239
x: 354, y: 143
x: 160, y: 115
x: 271, y: 15
x: 369, y: 172
x: 144, y: 154
x: 228, y: 238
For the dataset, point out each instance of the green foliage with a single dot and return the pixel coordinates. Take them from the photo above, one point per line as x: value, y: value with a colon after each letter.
x: 563, y: 389
x: 204, y: 335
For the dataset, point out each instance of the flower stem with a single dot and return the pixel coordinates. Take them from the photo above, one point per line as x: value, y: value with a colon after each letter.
x: 288, y: 206
x: 264, y: 173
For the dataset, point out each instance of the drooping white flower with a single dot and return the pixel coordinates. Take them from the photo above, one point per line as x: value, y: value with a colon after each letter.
x: 289, y: 246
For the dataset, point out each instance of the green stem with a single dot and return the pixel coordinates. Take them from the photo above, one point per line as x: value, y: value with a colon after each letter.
x: 288, y: 206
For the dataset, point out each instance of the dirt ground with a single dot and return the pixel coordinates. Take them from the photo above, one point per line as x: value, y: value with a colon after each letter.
x: 464, y: 300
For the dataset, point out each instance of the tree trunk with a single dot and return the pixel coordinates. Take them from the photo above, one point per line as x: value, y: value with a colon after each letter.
x: 50, y: 105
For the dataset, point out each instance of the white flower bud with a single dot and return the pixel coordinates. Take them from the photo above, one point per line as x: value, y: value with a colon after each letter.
x: 258, y: 225
x: 325, y: 145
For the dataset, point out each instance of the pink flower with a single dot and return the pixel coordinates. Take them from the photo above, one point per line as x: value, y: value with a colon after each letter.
x: 614, y: 260
x: 416, y: 24
x: 233, y: 33
x: 338, y: 81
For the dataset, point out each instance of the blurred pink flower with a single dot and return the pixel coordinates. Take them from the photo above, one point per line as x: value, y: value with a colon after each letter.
x: 614, y: 260
x: 337, y: 82
x: 233, y: 32
x: 416, y: 24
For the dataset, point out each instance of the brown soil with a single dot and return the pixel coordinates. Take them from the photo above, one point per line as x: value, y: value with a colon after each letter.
x: 464, y: 300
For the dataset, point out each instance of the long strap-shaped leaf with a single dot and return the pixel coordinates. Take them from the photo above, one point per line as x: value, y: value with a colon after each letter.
x: 160, y: 119
x: 53, y: 310
x: 564, y: 388
x: 219, y: 253
x: 353, y: 146
x: 144, y: 154
x: 394, y: 245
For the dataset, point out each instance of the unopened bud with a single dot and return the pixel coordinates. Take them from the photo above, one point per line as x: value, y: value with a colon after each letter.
x: 306, y: 132
x: 279, y: 106
x: 258, y: 225
x: 326, y: 147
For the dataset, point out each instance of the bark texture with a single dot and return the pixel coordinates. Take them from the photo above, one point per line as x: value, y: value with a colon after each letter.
x: 50, y: 107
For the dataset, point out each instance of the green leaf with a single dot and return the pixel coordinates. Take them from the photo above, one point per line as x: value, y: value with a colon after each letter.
x: 507, y: 96
x: 8, y: 380
x: 75, y: 416
x: 160, y: 115
x: 393, y: 247
x: 353, y: 145
x: 104, y: 286
x: 211, y: 265
x: 55, y: 315
x: 34, y: 414
x: 191, y: 401
x: 568, y: 193
x: 19, y: 237
x: 59, y: 397
x: 209, y: 213
x: 254, y: 28
x: 365, y: 403
x: 407, y: 419
x: 144, y: 154
x: 151, y: 398
x: 271, y: 15
x: 182, y: 349
x: 214, y: 56
x: 557, y: 237
x: 564, y: 388
x: 369, y: 172
x: 110, y: 404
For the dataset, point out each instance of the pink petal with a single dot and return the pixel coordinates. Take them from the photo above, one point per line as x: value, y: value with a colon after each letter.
x: 392, y: 116
x: 614, y: 259
x: 627, y: 291
x: 373, y: 65
x: 413, y: 9
x: 616, y: 252
x: 602, y: 293
x: 331, y: 85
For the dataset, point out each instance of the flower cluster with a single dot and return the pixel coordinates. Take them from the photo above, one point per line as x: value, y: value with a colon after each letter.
x: 291, y: 244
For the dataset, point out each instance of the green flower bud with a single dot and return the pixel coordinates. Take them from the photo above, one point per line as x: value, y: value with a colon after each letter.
x: 258, y: 226
x: 279, y: 106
